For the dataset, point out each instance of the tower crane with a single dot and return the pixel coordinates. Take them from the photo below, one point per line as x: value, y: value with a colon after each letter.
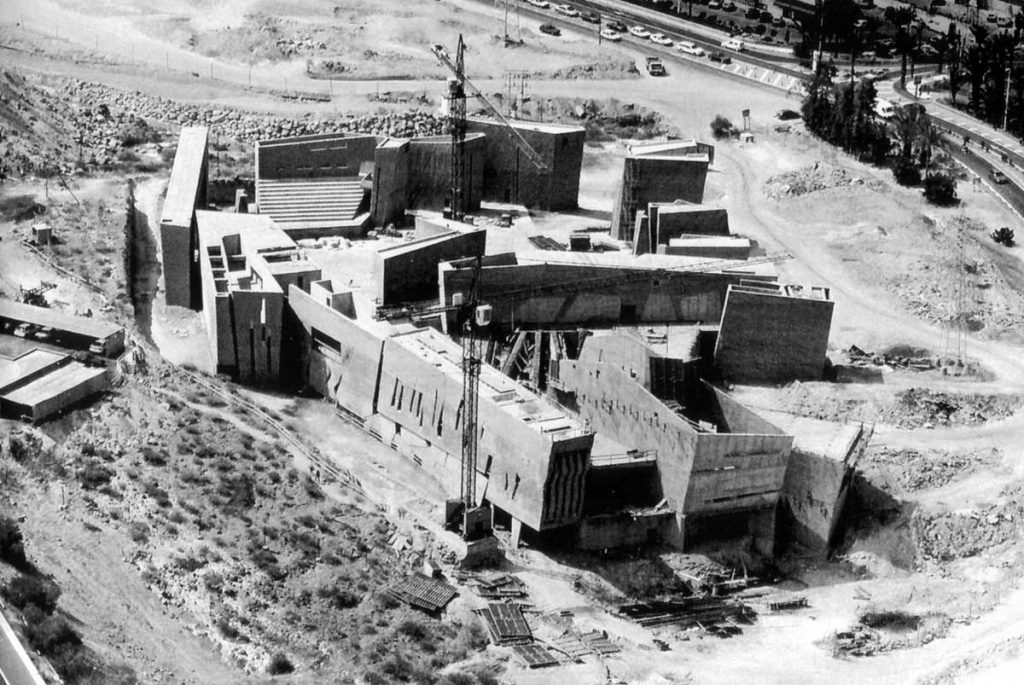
x: 458, y: 87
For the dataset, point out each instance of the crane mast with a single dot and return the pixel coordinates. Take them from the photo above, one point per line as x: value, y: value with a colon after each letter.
x: 457, y: 130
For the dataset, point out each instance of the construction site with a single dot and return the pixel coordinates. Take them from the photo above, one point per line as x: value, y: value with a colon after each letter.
x: 514, y: 386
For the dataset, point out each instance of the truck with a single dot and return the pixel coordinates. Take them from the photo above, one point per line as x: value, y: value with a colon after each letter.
x: 655, y: 67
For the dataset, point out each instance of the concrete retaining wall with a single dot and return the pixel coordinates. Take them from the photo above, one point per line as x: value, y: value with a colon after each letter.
x: 768, y: 337
x: 408, y: 272
x: 327, y: 155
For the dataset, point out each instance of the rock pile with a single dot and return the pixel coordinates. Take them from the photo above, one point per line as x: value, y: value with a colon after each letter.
x: 921, y: 408
x: 249, y: 126
x: 913, y: 470
x: 956, y: 535
x: 810, y: 179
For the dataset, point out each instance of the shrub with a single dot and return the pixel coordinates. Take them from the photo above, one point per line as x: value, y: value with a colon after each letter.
x: 279, y: 665
x: 12, y: 548
x: 906, y: 172
x: 940, y: 189
x: 138, y: 532
x: 722, y: 127
x: 22, y: 591
x: 94, y: 475
x: 225, y: 628
x: 49, y: 635
x: 340, y: 599
x: 153, y: 457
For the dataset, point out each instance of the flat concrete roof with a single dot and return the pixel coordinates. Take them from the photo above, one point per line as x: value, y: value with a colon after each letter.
x: 702, y: 158
x: 44, y: 316
x: 456, y: 229
x: 784, y: 290
x: 312, y: 138
x: 185, y: 176
x: 509, y: 395
x: 13, y: 369
x: 538, y: 126
x: 822, y: 438
x: 708, y: 241
x: 684, y: 208
x: 655, y: 148
x: 53, y: 384
x: 258, y: 232
x: 624, y: 260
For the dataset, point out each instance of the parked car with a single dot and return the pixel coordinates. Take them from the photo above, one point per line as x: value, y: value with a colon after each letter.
x: 655, y: 67
x: 787, y: 114
x: 613, y: 36
x: 567, y: 10
x: 541, y: 4
x: 44, y: 333
x: 715, y: 5
x: 660, y: 39
x: 884, y: 109
x: 639, y: 32
x: 1004, y: 22
x: 23, y: 330
x: 720, y: 57
x: 550, y: 29
x: 729, y: 6
x: 689, y: 48
x: 991, y: 18
x: 616, y: 25
x: 591, y: 17
x: 998, y: 176
x: 734, y: 44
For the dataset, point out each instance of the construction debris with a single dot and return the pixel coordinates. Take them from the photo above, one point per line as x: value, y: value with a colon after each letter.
x: 429, y: 594
x: 704, y: 612
x: 787, y: 603
x: 811, y: 179
x: 502, y: 587
x: 506, y: 624
x: 535, y: 656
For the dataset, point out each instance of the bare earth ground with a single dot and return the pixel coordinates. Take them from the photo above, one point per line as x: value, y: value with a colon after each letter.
x: 896, y: 271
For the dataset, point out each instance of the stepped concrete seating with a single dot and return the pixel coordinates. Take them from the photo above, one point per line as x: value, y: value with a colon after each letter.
x: 315, y: 207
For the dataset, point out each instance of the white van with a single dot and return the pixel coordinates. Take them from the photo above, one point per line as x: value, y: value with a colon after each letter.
x: 884, y: 109
x: 734, y: 44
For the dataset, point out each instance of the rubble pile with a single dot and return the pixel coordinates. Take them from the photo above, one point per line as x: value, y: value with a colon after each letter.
x: 920, y: 408
x: 615, y: 68
x: 73, y: 122
x: 810, y: 179
x: 915, y: 470
x: 888, y: 631
x: 959, y: 534
x: 248, y: 126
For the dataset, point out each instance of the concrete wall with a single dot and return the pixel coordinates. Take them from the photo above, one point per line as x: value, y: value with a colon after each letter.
x: 510, y: 176
x: 344, y: 358
x: 701, y: 473
x: 429, y: 182
x: 767, y: 337
x: 536, y: 481
x: 256, y: 316
x: 624, y: 529
x: 328, y: 155
x: 389, y: 198
x: 674, y: 221
x: 185, y: 192
x: 408, y: 272
x: 657, y: 179
x: 696, y: 297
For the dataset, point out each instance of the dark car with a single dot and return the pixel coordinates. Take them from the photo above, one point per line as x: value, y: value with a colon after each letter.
x: 998, y: 176
x: 787, y: 114
x: 616, y: 25
x: 550, y: 29
x: 591, y: 17
x: 720, y: 57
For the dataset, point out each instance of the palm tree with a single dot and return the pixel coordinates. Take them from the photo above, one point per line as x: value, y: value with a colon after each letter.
x: 912, y: 128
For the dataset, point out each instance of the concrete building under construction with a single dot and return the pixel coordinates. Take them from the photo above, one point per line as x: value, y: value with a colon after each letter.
x: 185, y: 192
x: 592, y: 430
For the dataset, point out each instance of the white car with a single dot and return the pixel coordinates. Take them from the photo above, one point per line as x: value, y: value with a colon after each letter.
x: 567, y: 10
x: 660, y: 39
x: 715, y: 5
x: 613, y: 36
x: 734, y: 44
x: 689, y: 48
x: 542, y: 4
x: 639, y: 32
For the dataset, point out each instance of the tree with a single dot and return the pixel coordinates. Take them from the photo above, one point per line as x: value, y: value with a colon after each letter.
x: 912, y: 127
x: 722, y: 127
x: 956, y: 53
x: 903, y: 41
x: 12, y: 547
x: 23, y: 591
x: 940, y: 189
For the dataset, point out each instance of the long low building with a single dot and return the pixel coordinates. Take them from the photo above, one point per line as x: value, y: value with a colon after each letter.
x: 59, y: 328
x: 39, y: 384
x: 404, y: 384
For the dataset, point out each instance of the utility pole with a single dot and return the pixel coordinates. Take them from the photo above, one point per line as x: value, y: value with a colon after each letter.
x: 1006, y: 104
